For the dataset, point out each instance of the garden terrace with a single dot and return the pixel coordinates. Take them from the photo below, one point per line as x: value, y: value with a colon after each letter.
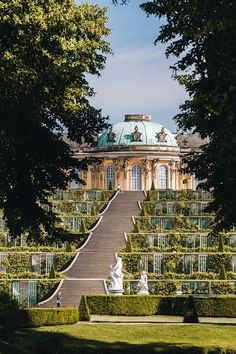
x: 20, y: 264
x: 181, y: 241
x: 78, y: 195
x: 183, y: 194
x: 30, y: 272
x: 28, y: 292
x: 185, y: 287
x: 173, y: 222
x: 187, y: 208
x: 159, y: 265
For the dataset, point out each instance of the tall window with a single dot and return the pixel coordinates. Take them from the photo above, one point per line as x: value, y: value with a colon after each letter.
x: 202, y: 263
x: 136, y: 178
x: 162, y: 178
x: 110, y: 176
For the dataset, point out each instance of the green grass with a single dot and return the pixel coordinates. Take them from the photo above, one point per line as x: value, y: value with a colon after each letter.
x: 114, y: 338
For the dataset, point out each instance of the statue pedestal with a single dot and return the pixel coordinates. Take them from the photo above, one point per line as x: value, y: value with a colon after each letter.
x: 116, y: 292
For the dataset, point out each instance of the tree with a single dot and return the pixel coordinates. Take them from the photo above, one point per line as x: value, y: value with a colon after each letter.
x: 190, y: 312
x: 47, y: 50
x: 202, y: 34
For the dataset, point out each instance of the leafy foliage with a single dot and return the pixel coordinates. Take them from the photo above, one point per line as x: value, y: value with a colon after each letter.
x: 140, y: 305
x: 36, y: 317
x: 8, y: 312
x: 47, y: 49
x: 84, y: 314
x: 200, y: 34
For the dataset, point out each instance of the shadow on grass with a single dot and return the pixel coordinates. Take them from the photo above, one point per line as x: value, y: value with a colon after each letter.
x: 30, y: 341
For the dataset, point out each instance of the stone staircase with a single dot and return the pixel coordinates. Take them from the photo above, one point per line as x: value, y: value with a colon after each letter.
x: 91, y: 268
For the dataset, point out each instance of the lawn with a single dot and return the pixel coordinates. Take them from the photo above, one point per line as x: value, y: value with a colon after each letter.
x: 118, y: 338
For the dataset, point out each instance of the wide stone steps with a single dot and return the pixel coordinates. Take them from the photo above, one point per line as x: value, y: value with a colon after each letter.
x: 72, y: 290
x: 94, y: 260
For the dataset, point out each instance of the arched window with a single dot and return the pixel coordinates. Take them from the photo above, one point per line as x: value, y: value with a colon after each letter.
x: 162, y: 177
x: 110, y: 176
x: 136, y: 178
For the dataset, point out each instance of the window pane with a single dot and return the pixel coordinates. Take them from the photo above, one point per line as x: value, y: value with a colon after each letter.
x: 162, y: 178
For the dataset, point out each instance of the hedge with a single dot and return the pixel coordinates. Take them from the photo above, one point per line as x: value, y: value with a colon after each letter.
x: 141, y: 305
x: 36, y: 317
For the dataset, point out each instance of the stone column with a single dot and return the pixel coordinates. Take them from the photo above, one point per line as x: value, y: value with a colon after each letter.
x: 146, y: 170
x: 117, y: 169
x: 125, y: 170
x: 154, y: 171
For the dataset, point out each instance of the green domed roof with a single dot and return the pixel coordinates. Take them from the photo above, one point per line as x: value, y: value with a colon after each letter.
x: 137, y: 130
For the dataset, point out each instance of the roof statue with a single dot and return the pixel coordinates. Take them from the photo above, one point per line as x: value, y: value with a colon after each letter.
x: 162, y: 136
x: 137, y: 130
x: 111, y: 135
x: 136, y: 135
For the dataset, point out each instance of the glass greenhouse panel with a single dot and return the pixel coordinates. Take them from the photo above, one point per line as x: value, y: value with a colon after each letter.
x: 32, y: 293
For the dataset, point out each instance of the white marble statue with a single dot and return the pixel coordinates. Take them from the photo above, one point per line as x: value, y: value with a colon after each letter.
x: 143, y: 284
x: 116, y: 277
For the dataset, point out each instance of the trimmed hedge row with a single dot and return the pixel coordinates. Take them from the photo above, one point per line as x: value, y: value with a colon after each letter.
x: 36, y: 317
x: 140, y: 305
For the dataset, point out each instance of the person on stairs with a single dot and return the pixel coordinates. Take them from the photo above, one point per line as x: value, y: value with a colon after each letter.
x: 59, y: 297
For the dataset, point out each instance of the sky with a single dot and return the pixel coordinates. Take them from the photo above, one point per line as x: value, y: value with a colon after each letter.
x: 137, y: 78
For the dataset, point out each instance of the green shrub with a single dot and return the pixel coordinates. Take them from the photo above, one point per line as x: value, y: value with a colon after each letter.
x: 221, y: 243
x: 68, y: 247
x: 94, y: 210
x: 190, y: 313
x: 129, y: 246
x: 143, y: 211
x: 36, y: 317
x: 141, y: 305
x: 8, y: 312
x: 136, y: 226
x: 52, y: 274
x: 84, y: 314
x: 222, y: 273
x: 83, y: 227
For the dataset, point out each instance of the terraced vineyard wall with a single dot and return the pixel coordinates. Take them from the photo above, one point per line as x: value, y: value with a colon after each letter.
x: 173, y: 242
x: 29, y: 271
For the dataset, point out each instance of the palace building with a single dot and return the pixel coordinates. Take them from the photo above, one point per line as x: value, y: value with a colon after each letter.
x: 136, y: 152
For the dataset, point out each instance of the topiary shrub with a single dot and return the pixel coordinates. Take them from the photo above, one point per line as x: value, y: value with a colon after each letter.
x: 222, y: 272
x: 141, y: 305
x: 143, y: 211
x: 84, y: 314
x: 94, y: 211
x: 68, y: 247
x: 52, y: 274
x: 83, y: 227
x: 136, y: 227
x: 36, y: 317
x: 129, y: 246
x: 190, y: 313
x: 220, y: 244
